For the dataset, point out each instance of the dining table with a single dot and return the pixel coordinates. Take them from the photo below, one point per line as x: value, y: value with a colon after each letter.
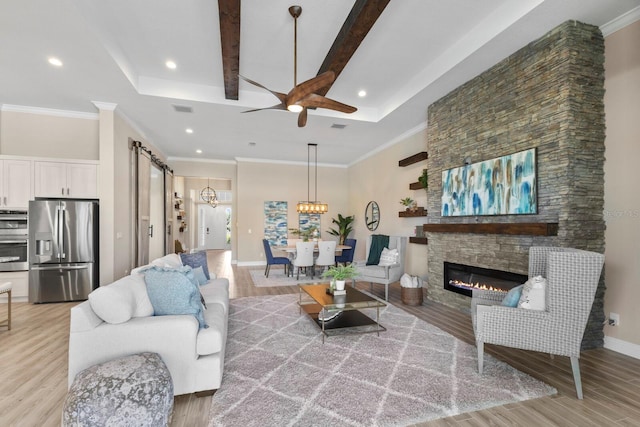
x: 291, y: 249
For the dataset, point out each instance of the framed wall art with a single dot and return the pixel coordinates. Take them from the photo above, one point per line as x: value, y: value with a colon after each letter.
x: 502, y: 186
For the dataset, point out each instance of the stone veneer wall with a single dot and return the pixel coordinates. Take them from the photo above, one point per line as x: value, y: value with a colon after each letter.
x: 548, y: 95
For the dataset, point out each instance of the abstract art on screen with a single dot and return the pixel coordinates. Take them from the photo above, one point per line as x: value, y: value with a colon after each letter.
x: 275, y: 223
x: 502, y: 186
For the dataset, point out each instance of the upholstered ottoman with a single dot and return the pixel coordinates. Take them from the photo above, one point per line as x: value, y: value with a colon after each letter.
x: 131, y: 390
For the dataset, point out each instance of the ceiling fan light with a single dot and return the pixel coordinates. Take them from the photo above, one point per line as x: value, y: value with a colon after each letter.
x: 294, y: 108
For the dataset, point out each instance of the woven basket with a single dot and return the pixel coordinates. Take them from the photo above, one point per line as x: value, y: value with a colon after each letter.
x: 411, y: 296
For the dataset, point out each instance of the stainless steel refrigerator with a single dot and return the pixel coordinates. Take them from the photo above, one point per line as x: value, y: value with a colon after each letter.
x: 63, y: 249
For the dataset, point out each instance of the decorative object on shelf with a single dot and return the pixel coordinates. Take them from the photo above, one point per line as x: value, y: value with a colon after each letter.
x: 306, y: 234
x: 208, y: 195
x: 424, y: 179
x: 340, y: 274
x: 502, y: 186
x: 309, y: 206
x: 344, y: 227
x: 409, y: 204
x: 372, y: 216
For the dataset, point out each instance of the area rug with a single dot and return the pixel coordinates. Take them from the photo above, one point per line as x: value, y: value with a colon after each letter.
x: 278, y: 278
x: 278, y: 373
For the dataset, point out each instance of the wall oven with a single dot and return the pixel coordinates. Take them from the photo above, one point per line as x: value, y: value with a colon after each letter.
x: 14, y: 237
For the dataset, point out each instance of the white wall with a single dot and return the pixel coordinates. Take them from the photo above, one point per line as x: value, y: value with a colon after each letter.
x: 379, y: 178
x: 622, y: 199
x: 49, y: 135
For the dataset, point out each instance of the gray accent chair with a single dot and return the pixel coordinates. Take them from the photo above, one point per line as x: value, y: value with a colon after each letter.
x: 572, y: 278
x: 384, y: 275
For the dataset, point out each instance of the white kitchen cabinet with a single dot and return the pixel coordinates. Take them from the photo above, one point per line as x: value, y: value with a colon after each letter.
x: 15, y: 187
x: 61, y: 179
x: 19, y: 284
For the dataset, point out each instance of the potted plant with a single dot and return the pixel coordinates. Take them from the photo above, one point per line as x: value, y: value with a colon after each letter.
x: 424, y: 179
x: 341, y: 274
x: 407, y: 202
x: 344, y: 227
x: 305, y: 235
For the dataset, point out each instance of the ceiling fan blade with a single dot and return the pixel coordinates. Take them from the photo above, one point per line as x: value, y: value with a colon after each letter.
x: 274, y: 107
x: 318, y: 101
x: 302, y: 118
x: 280, y: 96
x: 310, y: 86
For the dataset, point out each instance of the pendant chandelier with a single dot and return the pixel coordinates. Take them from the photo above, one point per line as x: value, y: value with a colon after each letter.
x: 208, y: 195
x: 312, y: 207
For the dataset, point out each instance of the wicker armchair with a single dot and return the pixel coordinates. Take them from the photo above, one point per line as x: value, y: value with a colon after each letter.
x: 572, y: 278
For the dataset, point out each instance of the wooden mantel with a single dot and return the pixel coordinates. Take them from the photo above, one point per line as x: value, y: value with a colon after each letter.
x: 516, y: 228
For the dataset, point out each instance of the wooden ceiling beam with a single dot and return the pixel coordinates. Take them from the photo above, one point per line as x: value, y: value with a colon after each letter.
x: 363, y: 15
x: 229, y: 13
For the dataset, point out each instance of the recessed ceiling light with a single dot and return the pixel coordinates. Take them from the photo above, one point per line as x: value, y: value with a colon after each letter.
x: 188, y: 130
x: 199, y: 151
x: 171, y: 65
x: 362, y: 93
x: 55, y: 62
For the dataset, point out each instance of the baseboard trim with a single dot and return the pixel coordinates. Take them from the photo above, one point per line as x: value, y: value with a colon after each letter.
x: 251, y: 263
x: 621, y: 346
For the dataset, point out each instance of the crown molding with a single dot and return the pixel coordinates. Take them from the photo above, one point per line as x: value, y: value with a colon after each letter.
x: 414, y: 130
x: 193, y: 159
x: 49, y: 112
x: 287, y: 162
x: 620, y: 22
x: 109, y: 106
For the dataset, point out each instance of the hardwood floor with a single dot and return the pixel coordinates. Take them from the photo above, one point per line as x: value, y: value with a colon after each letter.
x: 33, y: 369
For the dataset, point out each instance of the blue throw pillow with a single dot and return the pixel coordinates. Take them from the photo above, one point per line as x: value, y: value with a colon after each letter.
x: 512, y: 297
x: 198, y: 273
x: 195, y: 260
x: 171, y: 291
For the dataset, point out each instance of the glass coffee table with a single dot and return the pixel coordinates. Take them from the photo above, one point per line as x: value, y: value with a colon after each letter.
x: 340, y: 313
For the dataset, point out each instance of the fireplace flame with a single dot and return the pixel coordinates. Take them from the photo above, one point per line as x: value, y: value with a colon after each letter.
x: 481, y: 286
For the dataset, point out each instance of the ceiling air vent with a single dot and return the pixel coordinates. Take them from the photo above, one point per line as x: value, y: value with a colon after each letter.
x: 338, y: 126
x: 182, y: 108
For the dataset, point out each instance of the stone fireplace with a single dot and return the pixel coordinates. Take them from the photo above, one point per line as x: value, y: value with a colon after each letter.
x: 548, y: 96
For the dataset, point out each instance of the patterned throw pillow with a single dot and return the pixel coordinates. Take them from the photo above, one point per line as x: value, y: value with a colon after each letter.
x: 389, y: 257
x: 534, y: 294
x: 171, y: 291
x: 195, y: 260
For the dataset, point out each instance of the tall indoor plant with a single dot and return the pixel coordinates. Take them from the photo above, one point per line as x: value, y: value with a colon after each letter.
x: 344, y: 227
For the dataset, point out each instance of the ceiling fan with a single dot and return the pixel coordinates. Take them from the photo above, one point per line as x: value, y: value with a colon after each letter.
x: 302, y: 96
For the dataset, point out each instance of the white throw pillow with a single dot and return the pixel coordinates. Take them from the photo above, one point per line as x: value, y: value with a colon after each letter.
x: 388, y: 257
x: 168, y: 261
x: 534, y: 294
x: 113, y: 304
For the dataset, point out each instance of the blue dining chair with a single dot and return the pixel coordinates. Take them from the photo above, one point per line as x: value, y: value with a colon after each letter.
x: 271, y: 260
x: 347, y: 254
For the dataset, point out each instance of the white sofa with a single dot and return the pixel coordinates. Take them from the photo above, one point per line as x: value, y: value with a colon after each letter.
x: 118, y: 320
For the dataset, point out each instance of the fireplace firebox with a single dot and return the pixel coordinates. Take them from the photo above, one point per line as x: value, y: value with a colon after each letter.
x: 462, y: 278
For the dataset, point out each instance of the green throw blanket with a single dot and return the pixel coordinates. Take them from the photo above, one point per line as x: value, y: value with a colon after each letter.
x: 378, y: 243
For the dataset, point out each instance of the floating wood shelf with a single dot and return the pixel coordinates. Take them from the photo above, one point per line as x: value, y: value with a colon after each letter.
x: 408, y: 214
x: 518, y: 228
x: 413, y: 159
x: 416, y: 186
x: 418, y: 240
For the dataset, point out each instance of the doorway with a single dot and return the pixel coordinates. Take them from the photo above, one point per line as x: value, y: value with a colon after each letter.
x: 214, y: 230
x: 156, y: 214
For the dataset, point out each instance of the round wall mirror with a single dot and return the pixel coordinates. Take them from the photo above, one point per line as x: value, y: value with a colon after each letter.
x: 372, y: 215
